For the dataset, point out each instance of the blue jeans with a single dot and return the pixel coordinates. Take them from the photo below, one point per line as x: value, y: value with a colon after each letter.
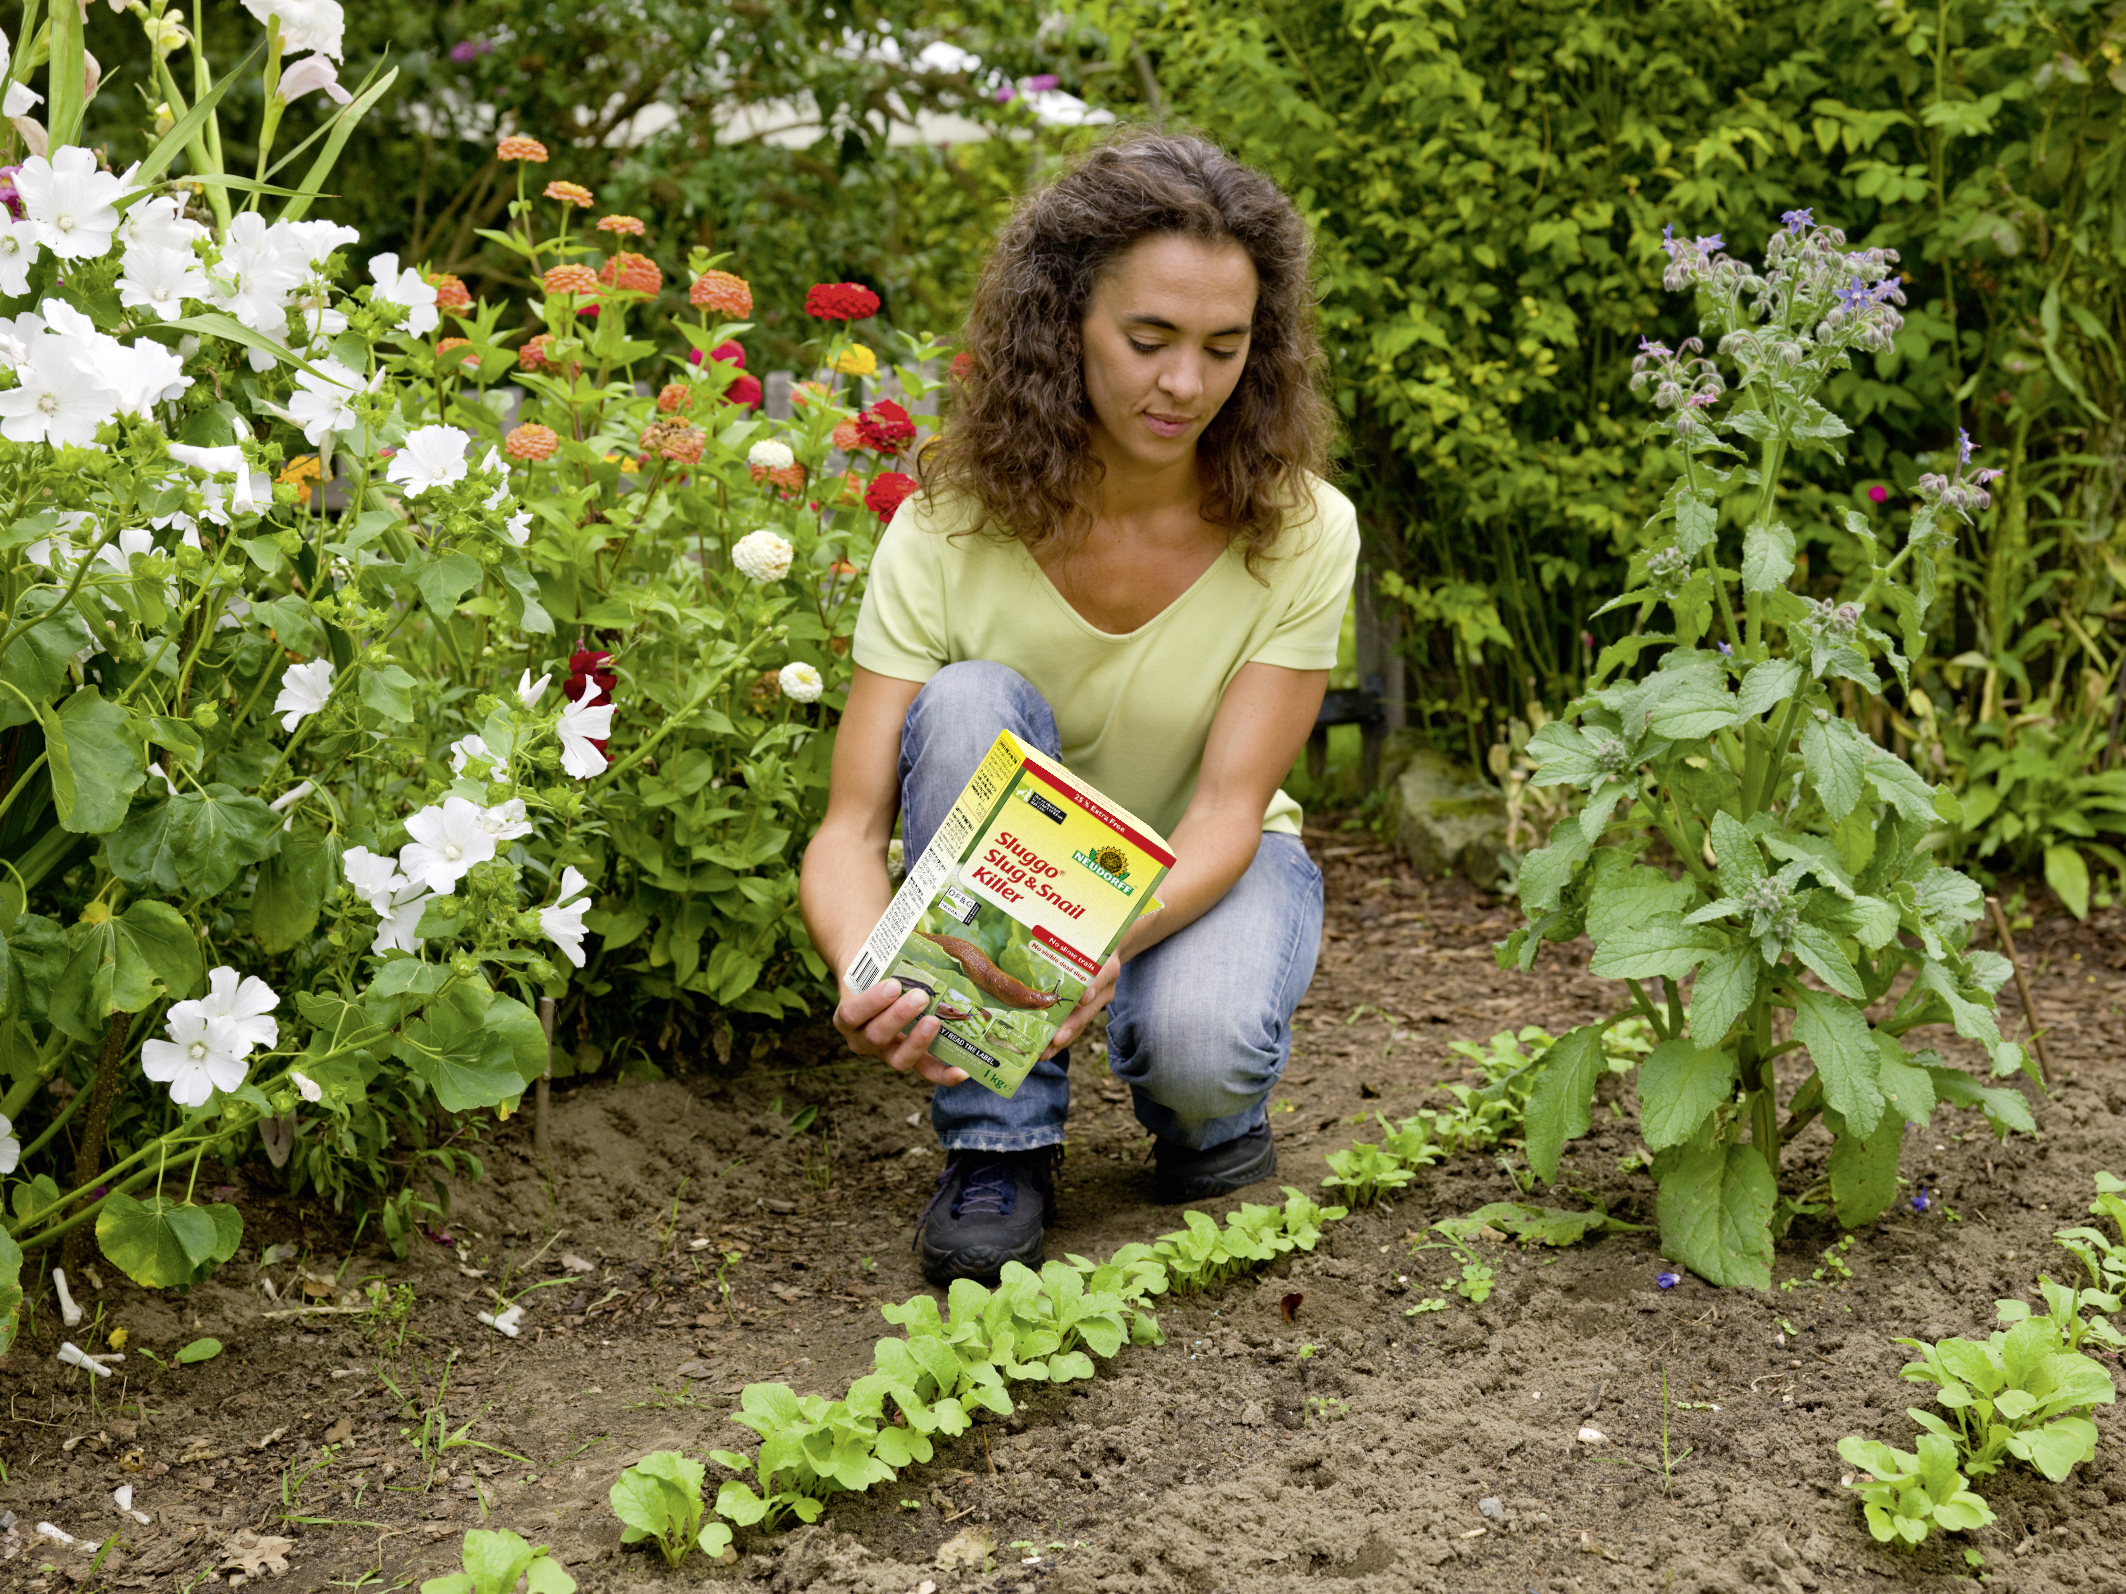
x: 1200, y: 1025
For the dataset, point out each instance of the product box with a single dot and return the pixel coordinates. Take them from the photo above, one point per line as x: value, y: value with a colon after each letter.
x: 1029, y: 884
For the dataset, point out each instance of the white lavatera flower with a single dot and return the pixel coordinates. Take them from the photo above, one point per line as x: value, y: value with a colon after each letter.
x: 464, y: 750
x: 10, y: 1147
x: 506, y: 821
x: 530, y: 691
x: 407, y: 290
x: 201, y: 1056
x: 141, y: 374
x: 448, y: 840
x: 71, y: 201
x: 159, y: 281
x: 518, y: 527
x: 304, y: 690
x: 18, y: 335
x: 257, y: 272
x: 305, y: 24
x: 244, y: 1000
x: 21, y: 99
x: 18, y: 252
x: 305, y: 1086
x: 562, y: 923
x: 579, y: 727
x: 400, y: 916
x: 55, y: 400
x: 373, y: 877
x: 323, y: 400
x: 432, y: 456
x: 225, y: 459
x: 158, y: 222
x: 312, y: 242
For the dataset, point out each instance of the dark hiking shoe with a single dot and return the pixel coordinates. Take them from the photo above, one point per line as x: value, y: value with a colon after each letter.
x: 1184, y: 1173
x: 989, y: 1209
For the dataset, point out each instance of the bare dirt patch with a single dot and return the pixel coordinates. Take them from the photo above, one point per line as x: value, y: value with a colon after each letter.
x: 1352, y: 1444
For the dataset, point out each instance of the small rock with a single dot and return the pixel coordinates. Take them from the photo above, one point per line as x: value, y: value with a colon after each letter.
x: 1493, y: 1507
x: 783, y: 1207
x: 696, y: 1370
x: 969, y: 1547
x: 1593, y: 1436
x: 576, y: 1264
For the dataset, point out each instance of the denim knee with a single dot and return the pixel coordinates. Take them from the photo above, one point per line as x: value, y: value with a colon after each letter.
x: 967, y: 703
x: 1197, y: 1058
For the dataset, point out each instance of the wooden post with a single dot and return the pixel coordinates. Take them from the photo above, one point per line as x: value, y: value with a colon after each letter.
x: 540, y: 1143
x: 2022, y: 989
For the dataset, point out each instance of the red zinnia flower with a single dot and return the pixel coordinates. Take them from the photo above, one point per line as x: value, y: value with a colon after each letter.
x: 962, y: 363
x: 730, y: 353
x: 840, y: 301
x: 745, y: 390
x: 885, y: 427
x: 887, y: 491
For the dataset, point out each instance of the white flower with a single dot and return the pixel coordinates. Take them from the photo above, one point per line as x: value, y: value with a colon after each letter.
x: 226, y: 459
x: 518, y: 527
x: 373, y: 877
x: 401, y: 916
x: 163, y: 775
x: 72, y: 203
x: 56, y: 401
x: 264, y: 272
x: 18, y: 335
x: 244, y: 1002
x: 580, y: 725
x: 447, y: 841
x: 293, y: 795
x: 18, y: 252
x: 464, y: 750
x: 800, y: 682
x: 305, y: 1086
x: 160, y: 280
x: 323, y: 401
x: 311, y: 72
x: 407, y: 290
x: 252, y: 492
x: 157, y: 223
x: 201, y: 1056
x: 433, y: 456
x: 768, y: 454
x: 530, y: 691
x: 562, y: 923
x: 762, y: 555
x: 142, y: 374
x: 506, y: 821
x: 118, y: 552
x: 303, y: 692
x: 305, y: 24
x: 314, y: 241
x: 10, y: 1147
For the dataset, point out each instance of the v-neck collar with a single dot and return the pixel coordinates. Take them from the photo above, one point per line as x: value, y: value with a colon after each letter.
x: 1055, y: 594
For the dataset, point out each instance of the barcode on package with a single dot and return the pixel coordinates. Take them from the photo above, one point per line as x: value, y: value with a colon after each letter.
x: 863, y: 974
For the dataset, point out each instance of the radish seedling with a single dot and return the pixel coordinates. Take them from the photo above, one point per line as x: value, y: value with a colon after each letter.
x: 2018, y: 1393
x: 1906, y: 1496
x: 494, y: 1561
x: 659, y: 1498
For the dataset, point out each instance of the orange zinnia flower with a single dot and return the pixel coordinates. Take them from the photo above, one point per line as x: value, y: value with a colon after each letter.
x: 451, y: 292
x: 571, y: 279
x: 631, y: 225
x: 299, y: 473
x: 848, y: 437
x: 517, y: 147
x: 675, y: 440
x: 805, y: 392
x: 791, y: 478
x: 719, y: 290
x: 531, y: 441
x: 533, y: 354
x: 636, y: 273
x: 674, y: 397
x: 569, y: 193
x: 471, y: 362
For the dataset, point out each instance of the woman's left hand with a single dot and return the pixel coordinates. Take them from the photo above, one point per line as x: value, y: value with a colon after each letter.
x: 1097, y: 995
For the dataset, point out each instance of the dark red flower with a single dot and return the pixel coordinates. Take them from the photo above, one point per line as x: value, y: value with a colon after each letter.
x: 840, y: 301
x: 745, y: 390
x: 730, y: 354
x: 885, y: 427
x: 962, y: 363
x: 886, y: 492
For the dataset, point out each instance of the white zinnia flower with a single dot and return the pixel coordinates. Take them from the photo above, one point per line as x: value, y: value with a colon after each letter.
x: 160, y: 280
x: 579, y: 726
x: 562, y: 923
x: 464, y: 750
x: 800, y: 682
x: 408, y: 291
x: 305, y: 24
x: 243, y: 1002
x: 448, y: 840
x: 311, y: 72
x: 323, y: 401
x: 373, y: 877
x: 56, y: 400
x: 72, y: 203
x: 768, y: 454
x: 506, y: 821
x: 762, y: 555
x: 433, y: 456
x: 530, y: 691
x: 18, y: 252
x: 305, y: 1086
x: 201, y: 1056
x: 303, y: 692
x: 10, y: 1147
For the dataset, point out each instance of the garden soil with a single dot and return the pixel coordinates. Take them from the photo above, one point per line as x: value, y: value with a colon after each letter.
x: 1297, y: 1430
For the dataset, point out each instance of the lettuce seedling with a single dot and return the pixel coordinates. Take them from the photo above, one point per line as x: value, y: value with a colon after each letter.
x: 493, y: 1562
x: 1365, y: 1171
x: 1905, y: 1496
x: 2019, y: 1393
x: 659, y: 1498
x: 2064, y: 1309
x: 2105, y: 1260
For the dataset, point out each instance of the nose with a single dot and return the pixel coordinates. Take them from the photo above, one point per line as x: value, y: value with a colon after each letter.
x: 1182, y: 378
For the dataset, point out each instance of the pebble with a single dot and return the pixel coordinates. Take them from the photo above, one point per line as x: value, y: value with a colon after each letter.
x: 1493, y: 1507
x: 1593, y: 1436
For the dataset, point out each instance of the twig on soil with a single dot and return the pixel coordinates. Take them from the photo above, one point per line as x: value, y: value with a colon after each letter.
x: 2022, y: 989
x: 319, y: 1311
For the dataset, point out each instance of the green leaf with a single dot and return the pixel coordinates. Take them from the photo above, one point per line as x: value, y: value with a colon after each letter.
x: 1558, y: 1100
x: 443, y: 582
x: 1680, y: 1084
x: 1843, y: 1048
x: 1696, y: 524
x: 495, y: 1560
x: 2003, y: 1106
x: 10, y: 1290
x: 1897, y: 782
x: 156, y: 1243
x: 389, y: 691
x: 1767, y: 686
x: 1725, y: 987
x: 1662, y: 945
x: 1623, y: 901
x: 1767, y: 558
x: 472, y: 1048
x: 200, y: 1350
x: 123, y: 965
x: 1693, y: 702
x: 97, y: 762
x: 2057, y: 1448
x: 1863, y: 1169
x: 1715, y: 1210
x: 449, y: 1583
x: 1830, y: 752
x: 2068, y: 875
x: 1817, y: 948
x: 292, y: 886
x: 1906, y: 1087
x: 547, y: 1576
x: 35, y: 663
x: 193, y: 844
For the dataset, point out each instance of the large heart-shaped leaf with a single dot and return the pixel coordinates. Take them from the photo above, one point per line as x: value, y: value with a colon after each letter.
x: 195, y: 843
x: 10, y: 1289
x: 1715, y: 1210
x: 123, y: 964
x: 97, y: 762
x: 161, y: 1244
x: 292, y: 886
x: 474, y: 1047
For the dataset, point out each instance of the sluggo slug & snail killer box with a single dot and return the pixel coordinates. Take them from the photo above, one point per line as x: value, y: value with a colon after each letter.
x: 1029, y: 884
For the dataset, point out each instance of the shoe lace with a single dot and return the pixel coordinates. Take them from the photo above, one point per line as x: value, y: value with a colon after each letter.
x: 989, y: 1186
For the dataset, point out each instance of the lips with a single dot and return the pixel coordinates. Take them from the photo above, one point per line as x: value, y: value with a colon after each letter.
x: 1167, y: 425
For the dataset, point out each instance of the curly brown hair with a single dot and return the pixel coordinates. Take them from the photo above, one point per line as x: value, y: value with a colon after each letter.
x: 1019, y: 438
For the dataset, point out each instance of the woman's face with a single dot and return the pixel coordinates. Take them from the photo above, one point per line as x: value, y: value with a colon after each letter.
x: 1165, y: 336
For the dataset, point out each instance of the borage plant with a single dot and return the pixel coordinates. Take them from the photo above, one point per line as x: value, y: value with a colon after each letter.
x: 1736, y: 829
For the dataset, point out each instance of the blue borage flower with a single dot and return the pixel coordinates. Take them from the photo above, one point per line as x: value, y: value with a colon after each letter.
x: 1667, y: 1281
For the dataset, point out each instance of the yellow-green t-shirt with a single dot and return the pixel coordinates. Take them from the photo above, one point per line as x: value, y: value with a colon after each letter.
x: 1134, y: 709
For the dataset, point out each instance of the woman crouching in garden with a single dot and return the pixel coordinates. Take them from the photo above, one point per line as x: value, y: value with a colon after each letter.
x: 1124, y: 554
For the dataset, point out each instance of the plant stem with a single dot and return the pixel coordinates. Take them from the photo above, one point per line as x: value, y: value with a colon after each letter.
x: 88, y: 1161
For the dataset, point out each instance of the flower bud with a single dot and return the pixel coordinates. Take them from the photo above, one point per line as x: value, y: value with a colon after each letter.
x: 206, y: 716
x: 464, y: 965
